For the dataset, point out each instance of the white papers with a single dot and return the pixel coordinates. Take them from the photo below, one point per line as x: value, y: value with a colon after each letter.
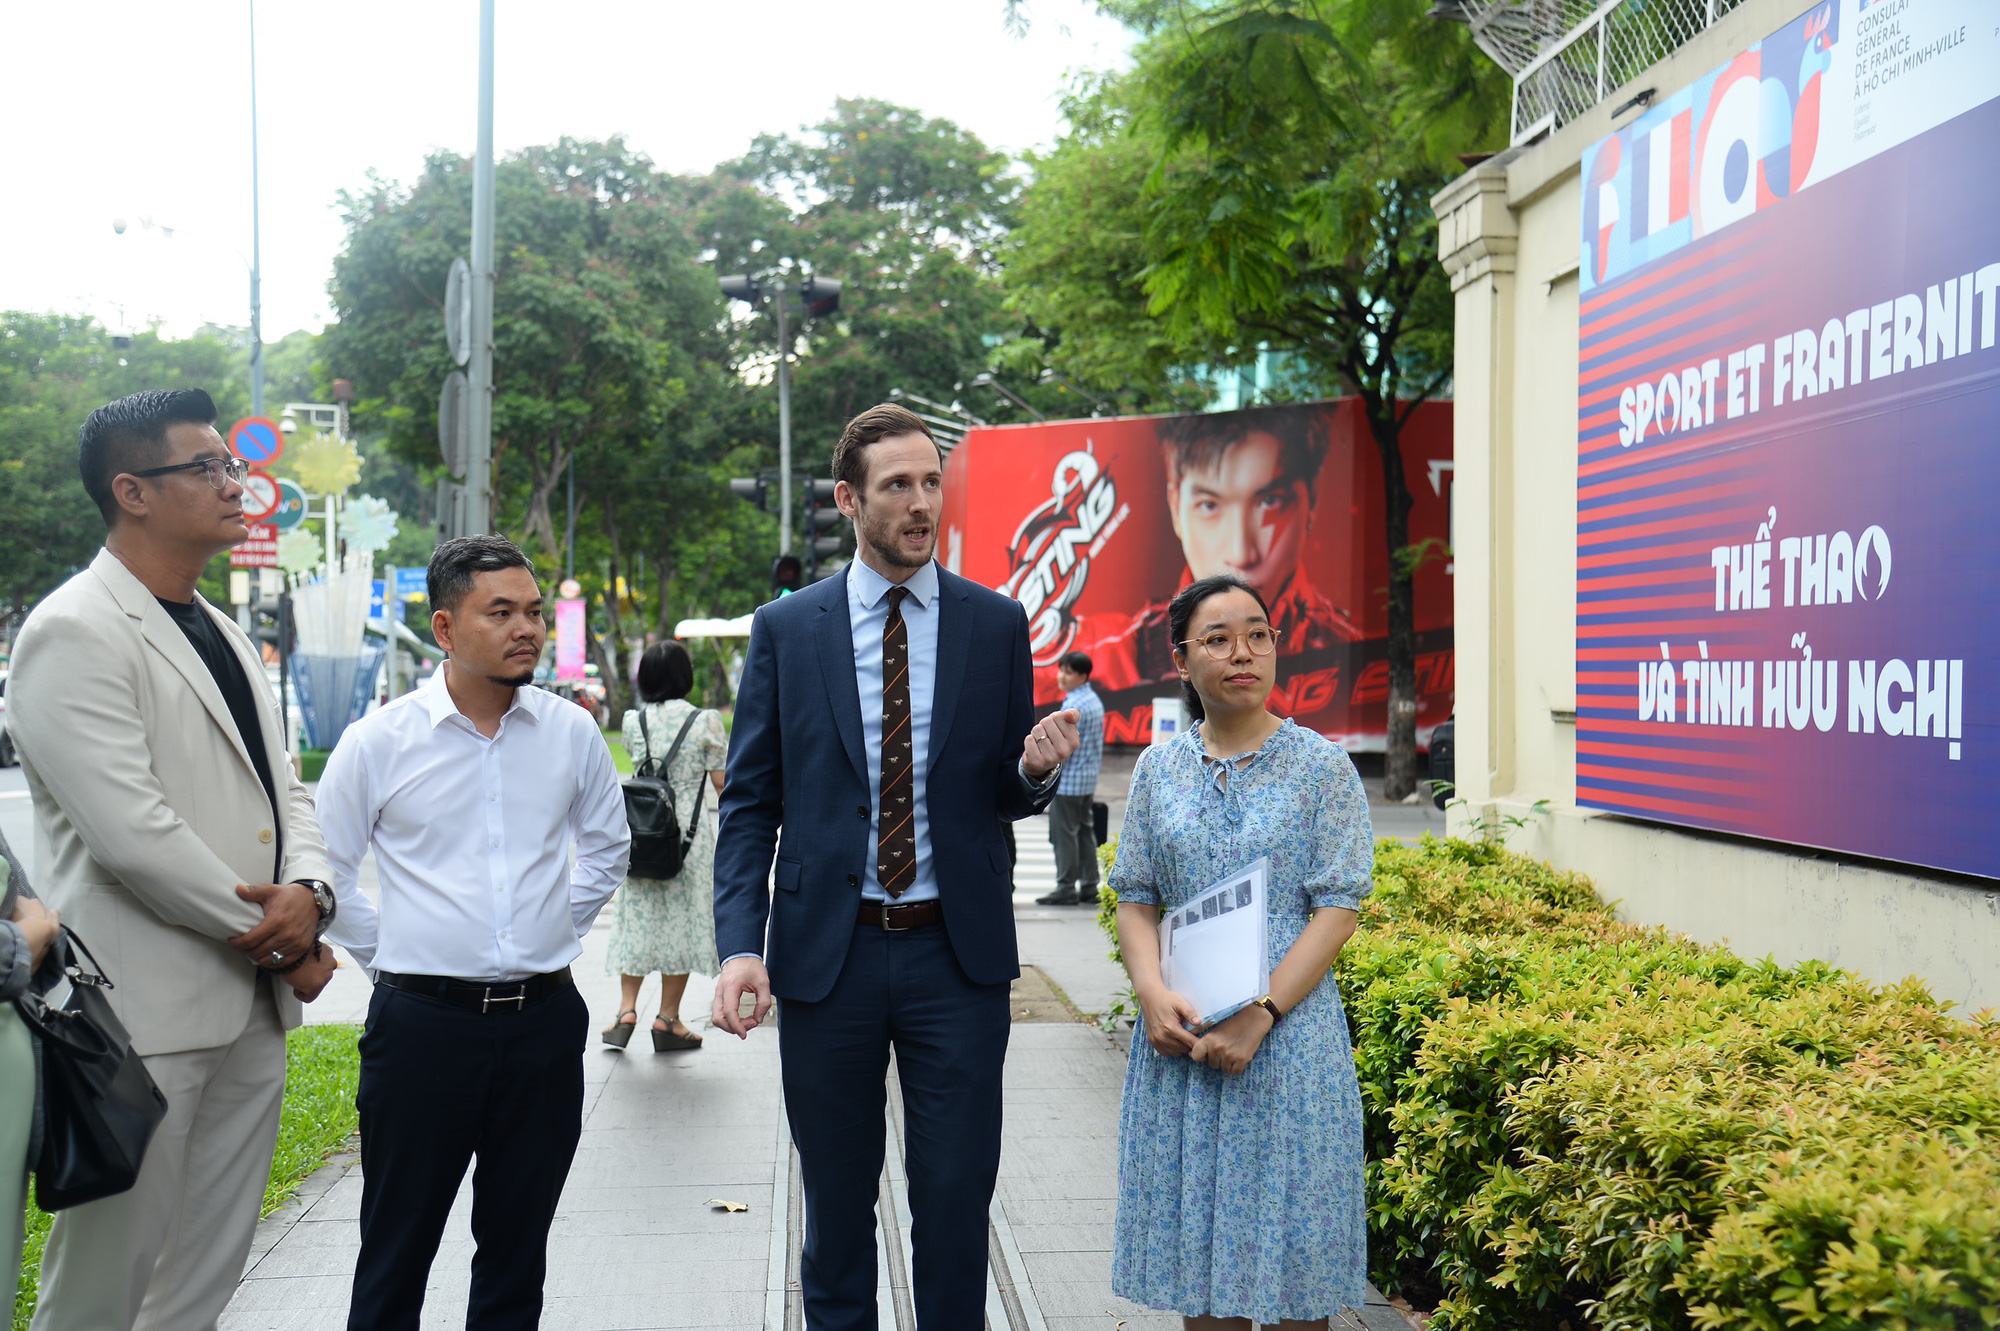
x: 1215, y: 951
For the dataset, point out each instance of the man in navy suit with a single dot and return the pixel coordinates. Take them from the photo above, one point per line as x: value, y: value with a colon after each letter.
x: 884, y: 729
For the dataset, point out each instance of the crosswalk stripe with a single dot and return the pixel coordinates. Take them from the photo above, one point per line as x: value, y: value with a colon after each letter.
x: 1035, y: 862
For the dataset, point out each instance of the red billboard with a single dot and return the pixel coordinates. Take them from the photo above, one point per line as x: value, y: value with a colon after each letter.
x: 1094, y: 525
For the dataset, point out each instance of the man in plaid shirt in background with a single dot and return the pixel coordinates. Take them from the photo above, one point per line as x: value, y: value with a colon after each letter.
x: 1069, y: 811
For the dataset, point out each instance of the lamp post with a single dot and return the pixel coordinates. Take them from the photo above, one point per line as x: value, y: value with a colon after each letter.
x: 985, y: 379
x: 256, y: 242
x: 479, y: 406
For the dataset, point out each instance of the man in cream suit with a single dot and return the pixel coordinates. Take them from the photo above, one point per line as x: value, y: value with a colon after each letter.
x: 177, y: 842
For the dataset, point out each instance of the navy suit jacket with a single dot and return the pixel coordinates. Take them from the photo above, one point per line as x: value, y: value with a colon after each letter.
x: 797, y: 784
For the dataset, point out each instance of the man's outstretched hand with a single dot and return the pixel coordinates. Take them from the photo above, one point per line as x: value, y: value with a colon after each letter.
x: 1049, y: 744
x: 740, y: 976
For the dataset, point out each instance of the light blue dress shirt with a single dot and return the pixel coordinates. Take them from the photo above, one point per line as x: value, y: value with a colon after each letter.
x: 867, y: 616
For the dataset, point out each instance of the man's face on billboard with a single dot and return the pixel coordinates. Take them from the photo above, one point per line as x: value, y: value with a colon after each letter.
x: 1242, y: 515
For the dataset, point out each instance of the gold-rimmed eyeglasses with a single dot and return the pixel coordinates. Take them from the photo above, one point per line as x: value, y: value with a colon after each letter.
x: 220, y: 471
x: 1220, y: 644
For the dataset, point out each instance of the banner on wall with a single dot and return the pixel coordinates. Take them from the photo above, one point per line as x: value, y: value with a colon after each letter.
x: 1094, y: 525
x: 1788, y: 401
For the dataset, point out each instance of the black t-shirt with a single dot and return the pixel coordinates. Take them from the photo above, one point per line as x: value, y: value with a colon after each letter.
x: 222, y: 662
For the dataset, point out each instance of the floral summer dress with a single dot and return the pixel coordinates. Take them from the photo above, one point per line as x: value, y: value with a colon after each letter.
x: 668, y: 925
x: 1241, y: 1196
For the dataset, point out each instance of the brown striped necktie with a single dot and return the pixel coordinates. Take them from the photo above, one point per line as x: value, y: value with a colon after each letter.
x: 896, y: 843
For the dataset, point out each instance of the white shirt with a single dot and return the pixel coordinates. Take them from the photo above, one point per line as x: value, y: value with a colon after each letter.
x: 472, y: 835
x: 867, y: 617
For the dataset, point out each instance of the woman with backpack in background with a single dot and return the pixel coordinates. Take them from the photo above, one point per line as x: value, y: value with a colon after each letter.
x: 668, y: 924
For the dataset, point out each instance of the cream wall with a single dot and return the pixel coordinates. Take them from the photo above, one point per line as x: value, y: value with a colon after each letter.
x: 1508, y: 235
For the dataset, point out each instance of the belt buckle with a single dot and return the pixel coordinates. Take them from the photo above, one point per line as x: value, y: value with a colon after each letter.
x: 519, y: 998
x: 889, y: 928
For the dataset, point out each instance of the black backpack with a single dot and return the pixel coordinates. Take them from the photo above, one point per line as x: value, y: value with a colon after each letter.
x: 659, y: 847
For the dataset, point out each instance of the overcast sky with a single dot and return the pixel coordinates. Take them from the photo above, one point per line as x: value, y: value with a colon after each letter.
x: 140, y: 109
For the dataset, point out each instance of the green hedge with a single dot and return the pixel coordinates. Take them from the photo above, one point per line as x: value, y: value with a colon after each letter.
x: 1572, y: 1121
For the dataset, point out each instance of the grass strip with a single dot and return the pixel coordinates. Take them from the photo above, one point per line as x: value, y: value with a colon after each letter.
x: 322, y: 1070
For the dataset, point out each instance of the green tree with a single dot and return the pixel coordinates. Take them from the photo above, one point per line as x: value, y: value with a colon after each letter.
x: 909, y: 212
x: 54, y: 370
x: 610, y: 357
x: 1298, y: 144
x: 1076, y: 264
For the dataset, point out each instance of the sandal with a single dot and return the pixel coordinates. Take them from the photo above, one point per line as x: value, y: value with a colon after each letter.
x: 665, y: 1041
x: 619, y: 1033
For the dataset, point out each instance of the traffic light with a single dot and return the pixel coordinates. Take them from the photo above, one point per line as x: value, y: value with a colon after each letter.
x: 753, y: 490
x: 820, y: 296
x: 822, y: 526
x: 740, y: 286
x: 786, y: 575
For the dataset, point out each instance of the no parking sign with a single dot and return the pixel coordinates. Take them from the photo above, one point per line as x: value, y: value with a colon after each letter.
x: 257, y: 440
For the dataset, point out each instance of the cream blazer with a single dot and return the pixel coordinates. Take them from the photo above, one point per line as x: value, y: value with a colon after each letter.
x: 148, y: 813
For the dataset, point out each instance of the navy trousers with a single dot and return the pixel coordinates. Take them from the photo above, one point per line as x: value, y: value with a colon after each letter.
x: 906, y: 991
x: 440, y: 1085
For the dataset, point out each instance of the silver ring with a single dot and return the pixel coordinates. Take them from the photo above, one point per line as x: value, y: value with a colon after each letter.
x: 277, y: 956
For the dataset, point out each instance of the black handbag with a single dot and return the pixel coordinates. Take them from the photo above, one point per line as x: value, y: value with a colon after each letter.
x: 99, y: 1104
x: 659, y: 846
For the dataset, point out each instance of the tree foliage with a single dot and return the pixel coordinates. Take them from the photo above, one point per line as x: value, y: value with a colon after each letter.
x: 1293, y: 149
x: 610, y: 358
x: 54, y: 371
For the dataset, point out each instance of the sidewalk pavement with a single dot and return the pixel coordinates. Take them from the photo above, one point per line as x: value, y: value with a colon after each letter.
x: 639, y: 1241
x: 636, y: 1243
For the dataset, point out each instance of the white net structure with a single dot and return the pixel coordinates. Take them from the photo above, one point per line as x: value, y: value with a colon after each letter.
x: 334, y: 664
x: 1568, y: 55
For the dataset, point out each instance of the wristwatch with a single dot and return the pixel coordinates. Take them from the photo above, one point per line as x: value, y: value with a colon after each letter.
x: 1269, y: 1006
x: 329, y: 905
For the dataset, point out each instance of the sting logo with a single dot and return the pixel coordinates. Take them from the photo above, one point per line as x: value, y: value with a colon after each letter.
x: 1049, y: 557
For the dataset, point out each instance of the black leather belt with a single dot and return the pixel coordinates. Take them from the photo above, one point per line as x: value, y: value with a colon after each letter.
x: 477, y: 995
x: 896, y: 919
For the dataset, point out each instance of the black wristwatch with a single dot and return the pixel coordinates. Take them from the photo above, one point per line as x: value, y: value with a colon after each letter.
x: 329, y: 905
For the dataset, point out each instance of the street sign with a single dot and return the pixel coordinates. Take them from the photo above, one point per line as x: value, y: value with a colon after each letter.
x: 458, y: 311
x: 260, y: 497
x: 569, y: 589
x: 257, y: 440
x: 378, y: 599
x: 260, y: 551
x: 412, y: 584
x: 291, y: 507
x: 455, y: 422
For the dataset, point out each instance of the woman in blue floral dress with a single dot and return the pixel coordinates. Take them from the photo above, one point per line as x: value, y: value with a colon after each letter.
x: 1239, y: 1167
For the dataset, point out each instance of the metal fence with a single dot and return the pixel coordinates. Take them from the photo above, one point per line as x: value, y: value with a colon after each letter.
x: 1566, y: 55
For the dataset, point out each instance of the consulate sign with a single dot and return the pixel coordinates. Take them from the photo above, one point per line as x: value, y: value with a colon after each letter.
x: 1788, y: 591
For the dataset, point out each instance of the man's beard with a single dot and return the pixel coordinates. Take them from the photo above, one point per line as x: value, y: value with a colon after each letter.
x: 517, y: 682
x: 882, y: 539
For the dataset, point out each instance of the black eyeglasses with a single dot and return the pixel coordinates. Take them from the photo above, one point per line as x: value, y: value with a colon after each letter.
x: 220, y: 470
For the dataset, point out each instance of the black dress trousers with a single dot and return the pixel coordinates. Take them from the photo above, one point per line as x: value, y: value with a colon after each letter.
x: 903, y: 991
x: 439, y: 1085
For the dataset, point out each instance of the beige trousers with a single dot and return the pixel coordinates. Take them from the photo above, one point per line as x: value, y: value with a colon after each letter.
x: 167, y: 1255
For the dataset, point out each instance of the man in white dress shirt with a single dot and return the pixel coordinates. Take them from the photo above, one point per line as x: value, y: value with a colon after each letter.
x: 471, y: 792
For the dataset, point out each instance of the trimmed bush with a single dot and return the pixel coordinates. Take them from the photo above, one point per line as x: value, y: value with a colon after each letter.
x: 1572, y: 1121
